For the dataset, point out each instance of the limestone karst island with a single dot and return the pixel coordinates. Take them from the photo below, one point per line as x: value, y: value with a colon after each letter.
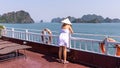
x: 16, y: 17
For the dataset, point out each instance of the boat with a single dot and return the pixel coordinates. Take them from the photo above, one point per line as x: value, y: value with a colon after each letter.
x: 83, y: 52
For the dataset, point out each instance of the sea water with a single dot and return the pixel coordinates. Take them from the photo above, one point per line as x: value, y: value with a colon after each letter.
x: 86, y: 28
x: 111, y: 29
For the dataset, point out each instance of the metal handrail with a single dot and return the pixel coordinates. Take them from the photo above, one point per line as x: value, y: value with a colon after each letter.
x: 84, y: 44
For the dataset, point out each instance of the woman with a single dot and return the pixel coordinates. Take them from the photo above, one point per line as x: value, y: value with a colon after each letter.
x: 63, y: 42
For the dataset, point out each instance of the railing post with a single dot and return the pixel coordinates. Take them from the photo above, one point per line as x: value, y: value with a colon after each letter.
x: 80, y: 44
x: 86, y: 45
x: 13, y: 32
x: 69, y: 43
x: 69, y: 40
x: 4, y: 32
x: 26, y: 34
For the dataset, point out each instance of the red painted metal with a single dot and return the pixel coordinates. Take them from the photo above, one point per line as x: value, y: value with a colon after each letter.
x: 80, y: 57
x: 36, y: 60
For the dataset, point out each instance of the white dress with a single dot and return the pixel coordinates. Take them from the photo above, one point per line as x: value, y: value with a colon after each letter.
x: 64, y: 38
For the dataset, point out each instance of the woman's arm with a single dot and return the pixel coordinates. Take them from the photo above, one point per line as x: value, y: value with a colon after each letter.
x: 71, y: 30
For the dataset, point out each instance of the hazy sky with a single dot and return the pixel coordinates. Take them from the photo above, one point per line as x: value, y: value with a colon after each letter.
x: 48, y: 9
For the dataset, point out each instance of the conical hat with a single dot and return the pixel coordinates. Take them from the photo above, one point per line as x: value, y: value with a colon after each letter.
x: 66, y: 21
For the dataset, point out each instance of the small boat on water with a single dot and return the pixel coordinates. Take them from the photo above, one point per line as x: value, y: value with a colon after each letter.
x: 85, y: 52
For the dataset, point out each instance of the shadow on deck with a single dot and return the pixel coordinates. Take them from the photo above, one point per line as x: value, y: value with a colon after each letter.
x: 37, y: 60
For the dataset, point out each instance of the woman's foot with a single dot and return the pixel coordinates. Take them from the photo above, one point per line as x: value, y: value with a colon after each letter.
x: 64, y: 62
x: 60, y: 60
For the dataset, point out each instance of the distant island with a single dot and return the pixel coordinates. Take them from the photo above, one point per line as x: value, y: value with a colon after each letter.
x: 16, y: 17
x: 90, y: 18
x: 24, y: 17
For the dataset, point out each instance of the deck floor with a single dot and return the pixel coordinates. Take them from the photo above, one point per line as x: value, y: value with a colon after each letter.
x: 37, y: 60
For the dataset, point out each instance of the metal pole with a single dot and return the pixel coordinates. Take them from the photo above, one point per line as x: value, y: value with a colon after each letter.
x: 13, y: 32
x: 26, y: 34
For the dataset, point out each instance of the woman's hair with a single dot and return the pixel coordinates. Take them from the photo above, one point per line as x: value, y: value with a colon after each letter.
x: 64, y: 24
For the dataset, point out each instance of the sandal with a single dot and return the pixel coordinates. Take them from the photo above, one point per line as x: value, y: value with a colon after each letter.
x: 60, y: 60
x: 65, y: 62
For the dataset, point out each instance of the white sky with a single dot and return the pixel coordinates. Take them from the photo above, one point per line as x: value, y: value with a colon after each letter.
x: 47, y: 9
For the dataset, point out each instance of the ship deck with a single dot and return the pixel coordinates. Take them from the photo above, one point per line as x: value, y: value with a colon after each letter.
x: 37, y: 60
x: 43, y: 55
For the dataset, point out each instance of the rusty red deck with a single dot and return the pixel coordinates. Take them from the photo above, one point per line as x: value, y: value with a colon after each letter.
x: 37, y: 60
x: 43, y: 56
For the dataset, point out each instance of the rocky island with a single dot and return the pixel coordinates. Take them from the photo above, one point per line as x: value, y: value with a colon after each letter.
x: 89, y: 18
x: 16, y: 17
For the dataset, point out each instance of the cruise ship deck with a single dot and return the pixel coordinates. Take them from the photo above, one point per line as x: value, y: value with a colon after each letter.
x: 83, y: 52
x: 37, y: 60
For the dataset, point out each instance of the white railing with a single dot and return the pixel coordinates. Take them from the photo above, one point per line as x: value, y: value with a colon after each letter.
x: 29, y: 35
x: 83, y: 42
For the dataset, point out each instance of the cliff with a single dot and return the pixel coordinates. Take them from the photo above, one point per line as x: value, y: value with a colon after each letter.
x: 16, y: 17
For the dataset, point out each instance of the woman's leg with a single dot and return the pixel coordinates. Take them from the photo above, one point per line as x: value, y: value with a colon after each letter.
x: 65, y: 53
x: 60, y: 53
